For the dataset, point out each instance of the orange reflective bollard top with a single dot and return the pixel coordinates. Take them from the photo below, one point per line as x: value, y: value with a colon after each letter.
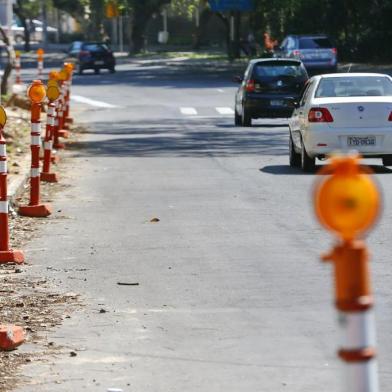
x: 348, y: 201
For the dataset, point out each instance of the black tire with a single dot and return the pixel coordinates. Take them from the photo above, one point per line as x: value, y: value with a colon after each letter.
x: 112, y: 70
x: 96, y: 71
x: 308, y: 164
x: 246, y: 118
x: 19, y: 39
x: 387, y: 160
x: 80, y: 70
x: 294, y: 157
x: 237, y: 118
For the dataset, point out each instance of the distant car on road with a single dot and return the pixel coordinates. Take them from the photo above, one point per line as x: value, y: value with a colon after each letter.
x: 268, y: 89
x: 35, y: 27
x: 92, y: 55
x: 315, y: 51
x: 342, y: 112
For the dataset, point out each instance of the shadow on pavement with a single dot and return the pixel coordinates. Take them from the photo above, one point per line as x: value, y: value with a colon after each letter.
x: 169, y: 77
x: 288, y: 170
x: 178, y: 139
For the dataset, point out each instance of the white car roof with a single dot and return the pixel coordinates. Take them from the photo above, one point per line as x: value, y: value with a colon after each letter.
x: 351, y: 74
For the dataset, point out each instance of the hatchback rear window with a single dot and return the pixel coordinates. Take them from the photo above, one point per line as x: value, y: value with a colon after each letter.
x: 315, y: 43
x: 358, y: 86
x: 279, y: 70
x: 95, y: 47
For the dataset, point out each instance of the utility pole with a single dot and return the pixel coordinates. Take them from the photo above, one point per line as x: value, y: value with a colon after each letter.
x: 10, y: 15
x: 44, y: 24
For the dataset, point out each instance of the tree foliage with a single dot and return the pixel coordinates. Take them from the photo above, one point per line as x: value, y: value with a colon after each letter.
x: 361, y: 28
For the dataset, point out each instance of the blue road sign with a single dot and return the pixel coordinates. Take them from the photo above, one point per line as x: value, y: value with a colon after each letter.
x: 231, y: 5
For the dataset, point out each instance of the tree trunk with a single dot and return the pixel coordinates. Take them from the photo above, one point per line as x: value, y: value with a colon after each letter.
x: 19, y: 13
x: 205, y: 17
x: 10, y: 62
x: 226, y: 22
x: 142, y: 13
x: 138, y: 37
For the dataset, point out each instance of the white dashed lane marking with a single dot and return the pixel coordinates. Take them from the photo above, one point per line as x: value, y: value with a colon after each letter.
x: 189, y: 111
x: 92, y: 102
x: 221, y: 110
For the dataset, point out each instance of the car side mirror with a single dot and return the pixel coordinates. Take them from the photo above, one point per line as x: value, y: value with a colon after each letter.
x: 237, y: 79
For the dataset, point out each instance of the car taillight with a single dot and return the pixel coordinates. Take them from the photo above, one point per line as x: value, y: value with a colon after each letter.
x: 84, y: 53
x: 297, y: 53
x: 334, y: 51
x: 390, y: 117
x: 319, y: 115
x: 250, y: 86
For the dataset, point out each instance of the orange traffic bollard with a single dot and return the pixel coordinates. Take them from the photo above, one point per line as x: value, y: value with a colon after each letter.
x: 64, y: 76
x: 69, y: 67
x: 11, y: 337
x: 7, y: 255
x: 36, y: 93
x: 40, y: 62
x: 347, y: 202
x: 18, y: 79
x: 52, y: 93
x: 60, y: 131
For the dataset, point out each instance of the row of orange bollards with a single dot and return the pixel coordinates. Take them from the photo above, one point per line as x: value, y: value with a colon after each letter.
x: 18, y: 65
x: 57, y: 94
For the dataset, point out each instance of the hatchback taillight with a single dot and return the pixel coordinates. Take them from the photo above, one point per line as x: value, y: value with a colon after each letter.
x: 297, y: 53
x: 84, y: 53
x: 319, y: 115
x: 250, y: 86
x: 390, y: 117
x: 334, y: 51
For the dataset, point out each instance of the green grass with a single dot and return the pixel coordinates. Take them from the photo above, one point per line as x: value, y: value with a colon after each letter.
x: 188, y: 55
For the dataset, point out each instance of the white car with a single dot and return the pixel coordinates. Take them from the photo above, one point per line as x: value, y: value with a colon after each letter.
x: 339, y: 113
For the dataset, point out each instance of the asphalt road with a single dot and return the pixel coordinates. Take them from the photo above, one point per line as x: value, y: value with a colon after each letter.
x: 231, y: 294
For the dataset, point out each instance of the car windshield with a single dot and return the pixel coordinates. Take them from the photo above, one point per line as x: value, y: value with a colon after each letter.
x: 315, y: 43
x: 357, y: 86
x: 279, y: 70
x: 94, y: 47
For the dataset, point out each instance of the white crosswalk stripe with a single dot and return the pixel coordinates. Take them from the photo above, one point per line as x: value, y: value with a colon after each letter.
x: 189, y: 111
x: 224, y: 110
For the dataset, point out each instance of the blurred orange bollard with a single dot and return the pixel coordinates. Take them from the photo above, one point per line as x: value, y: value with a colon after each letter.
x: 347, y: 202
x: 18, y: 79
x: 7, y: 255
x: 40, y: 62
x: 52, y: 94
x: 11, y: 337
x: 36, y: 93
x: 69, y: 68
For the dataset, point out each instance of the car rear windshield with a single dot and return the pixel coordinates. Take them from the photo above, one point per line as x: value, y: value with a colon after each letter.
x: 357, y: 86
x: 93, y: 47
x: 315, y: 43
x: 280, y: 69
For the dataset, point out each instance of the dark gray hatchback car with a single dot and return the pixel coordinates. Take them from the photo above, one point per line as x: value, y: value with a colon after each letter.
x: 269, y: 89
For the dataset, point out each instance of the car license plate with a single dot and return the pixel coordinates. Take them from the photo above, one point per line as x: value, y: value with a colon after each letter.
x: 356, y: 141
x: 277, y: 102
x: 99, y: 62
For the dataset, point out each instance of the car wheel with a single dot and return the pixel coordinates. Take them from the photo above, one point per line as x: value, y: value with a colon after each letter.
x: 237, y: 118
x: 96, y: 71
x: 294, y: 157
x: 308, y: 164
x: 19, y: 39
x: 112, y: 70
x: 246, y: 118
x: 80, y: 70
x: 387, y: 160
